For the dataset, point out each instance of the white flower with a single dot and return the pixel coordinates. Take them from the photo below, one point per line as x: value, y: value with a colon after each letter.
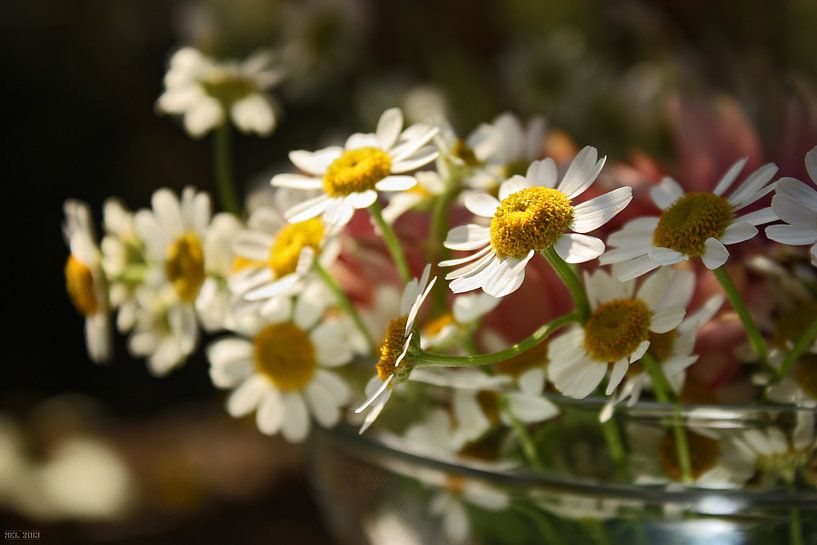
x: 85, y: 280
x: 796, y: 204
x: 396, y: 343
x: 430, y: 185
x: 466, y: 311
x: 692, y: 224
x: 716, y: 459
x: 616, y: 335
x: 213, y: 302
x: 174, y: 234
x: 206, y: 92
x: 272, y: 256
x: 532, y: 214
x: 282, y: 365
x: 351, y: 176
x: 123, y: 262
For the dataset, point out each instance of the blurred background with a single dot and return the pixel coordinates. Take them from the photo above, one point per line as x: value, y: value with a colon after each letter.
x: 108, y: 454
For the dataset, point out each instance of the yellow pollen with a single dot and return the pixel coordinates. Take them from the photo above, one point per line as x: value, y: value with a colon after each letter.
x: 530, y: 219
x: 79, y: 283
x: 355, y: 171
x: 391, y: 347
x: 616, y: 328
x: 515, y: 366
x: 435, y: 327
x: 805, y: 374
x: 184, y: 266
x: 703, y: 453
x: 284, y: 354
x: 291, y: 239
x: 686, y: 225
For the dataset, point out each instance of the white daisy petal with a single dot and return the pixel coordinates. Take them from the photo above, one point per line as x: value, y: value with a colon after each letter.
x: 271, y: 413
x: 759, y: 217
x: 480, y: 204
x: 308, y: 209
x: 363, y: 199
x: 508, y: 277
x: 575, y: 248
x: 389, y: 126
x: 666, y: 256
x: 795, y: 235
x: 635, y: 268
x: 798, y: 191
x: 715, y: 254
x: 543, y: 173
x: 639, y: 352
x: 729, y: 177
x: 466, y: 259
x: 667, y: 319
x: 339, y: 211
x: 666, y: 193
x: 738, y: 231
x: 581, y: 173
x: 246, y: 397
x: 396, y: 183
x: 531, y: 409
x: 332, y: 344
x: 296, y: 422
x: 322, y: 407
x: 420, y: 158
x: 508, y: 187
x: 315, y: 163
x: 596, y: 212
x: 616, y: 376
x: 467, y: 237
x: 792, y: 209
x: 297, y: 181
x: 752, y: 184
x: 472, y: 268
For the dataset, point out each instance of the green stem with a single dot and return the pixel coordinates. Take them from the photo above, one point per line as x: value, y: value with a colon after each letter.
x: 795, y: 527
x: 664, y: 394
x: 801, y: 346
x: 525, y: 441
x: 548, y: 533
x: 345, y: 304
x: 615, y: 448
x: 222, y: 162
x: 392, y: 243
x: 426, y: 359
x: 743, y: 312
x: 437, y: 233
x: 571, y: 281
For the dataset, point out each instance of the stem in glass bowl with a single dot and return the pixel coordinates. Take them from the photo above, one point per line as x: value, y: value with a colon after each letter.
x: 739, y: 305
x: 222, y: 162
x: 571, y: 282
x: 664, y: 394
x: 427, y: 359
x: 392, y: 243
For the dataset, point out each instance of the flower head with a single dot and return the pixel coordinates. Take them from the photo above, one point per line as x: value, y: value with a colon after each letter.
x: 796, y: 204
x: 692, y: 225
x: 533, y: 214
x: 617, y: 333
x: 206, y: 92
x: 281, y: 364
x: 400, y: 336
x: 350, y: 177
x: 85, y: 280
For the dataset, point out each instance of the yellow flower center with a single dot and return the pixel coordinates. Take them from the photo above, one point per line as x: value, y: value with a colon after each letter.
x: 355, y: 171
x: 291, y: 239
x: 703, y: 454
x: 436, y: 326
x: 530, y: 219
x: 805, y: 373
x: 616, y: 328
x: 530, y: 359
x: 184, y: 266
x: 465, y: 153
x: 79, y: 282
x: 686, y: 225
x: 285, y: 355
x: 392, y: 346
x: 455, y: 484
x: 228, y: 88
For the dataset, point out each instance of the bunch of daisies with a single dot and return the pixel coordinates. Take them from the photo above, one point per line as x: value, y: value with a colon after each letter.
x: 343, y: 292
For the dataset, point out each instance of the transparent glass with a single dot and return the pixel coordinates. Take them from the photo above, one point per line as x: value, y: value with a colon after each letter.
x: 381, y: 490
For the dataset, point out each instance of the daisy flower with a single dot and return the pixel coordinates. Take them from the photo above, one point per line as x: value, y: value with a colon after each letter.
x: 796, y: 204
x: 213, y: 302
x: 466, y: 311
x: 400, y: 336
x: 272, y: 256
x: 351, y: 176
x: 693, y: 224
x: 617, y: 334
x: 174, y: 233
x: 85, y: 280
x: 123, y: 261
x: 205, y: 92
x: 533, y: 214
x: 717, y: 460
x: 281, y: 365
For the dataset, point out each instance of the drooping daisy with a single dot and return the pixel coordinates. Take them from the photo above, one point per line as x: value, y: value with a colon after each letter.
x: 672, y: 350
x: 85, y: 280
x: 206, y: 92
x: 716, y: 459
x: 616, y: 335
x: 281, y: 365
x: 532, y: 215
x: 351, y: 176
x: 123, y: 261
x: 272, y: 256
x: 466, y: 311
x: 174, y: 233
x: 692, y: 224
x: 796, y: 204
x: 400, y: 336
